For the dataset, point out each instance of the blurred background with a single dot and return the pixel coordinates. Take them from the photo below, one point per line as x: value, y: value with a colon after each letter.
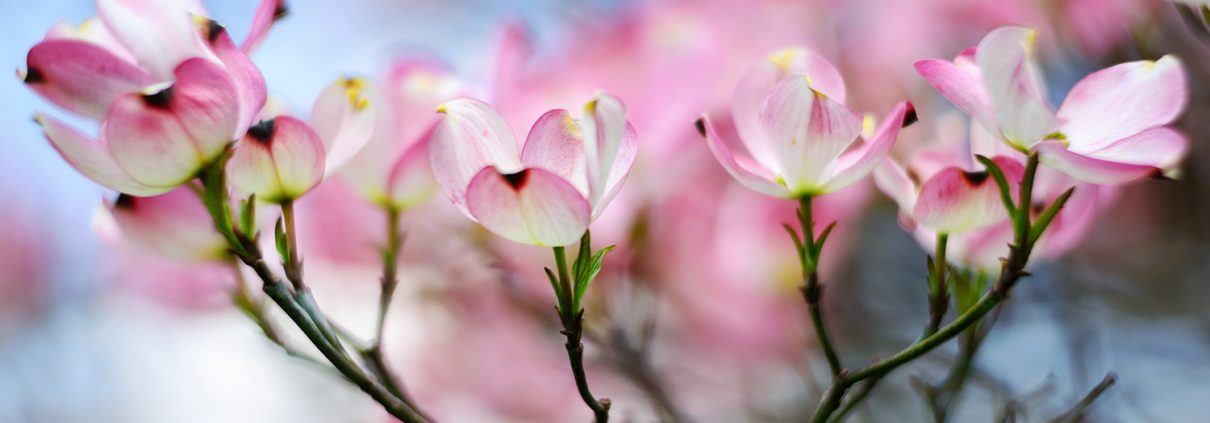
x: 696, y: 316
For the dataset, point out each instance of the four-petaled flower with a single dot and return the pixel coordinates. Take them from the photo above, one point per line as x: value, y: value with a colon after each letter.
x: 548, y: 192
x: 791, y: 116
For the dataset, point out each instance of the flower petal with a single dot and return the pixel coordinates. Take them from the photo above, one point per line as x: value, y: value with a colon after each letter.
x: 1005, y: 62
x: 855, y: 164
x: 159, y: 33
x: 1090, y: 169
x: 94, y: 31
x: 411, y: 180
x: 956, y: 201
x: 279, y: 160
x: 1162, y: 148
x: 1122, y: 100
x: 893, y: 180
x: 149, y: 143
x: 747, y: 178
x: 605, y: 128
x: 249, y: 83
x: 556, y: 143
x: 162, y: 137
x: 267, y: 13
x: 627, y: 151
x: 470, y: 137
x: 532, y: 206
x: 808, y: 131
x: 175, y: 225
x: 757, y: 84
x: 962, y: 86
x: 91, y: 158
x: 206, y: 102
x: 80, y: 76
x: 344, y: 116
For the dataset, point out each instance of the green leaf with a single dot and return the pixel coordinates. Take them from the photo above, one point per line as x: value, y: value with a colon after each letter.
x: 797, y: 241
x: 1006, y: 195
x: 247, y: 216
x: 279, y: 235
x: 823, y: 237
x: 593, y: 269
x: 579, y: 267
x: 934, y: 286
x: 1044, y: 219
x: 965, y: 292
x: 554, y: 281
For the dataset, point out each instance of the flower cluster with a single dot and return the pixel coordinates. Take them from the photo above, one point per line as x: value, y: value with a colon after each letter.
x: 189, y: 138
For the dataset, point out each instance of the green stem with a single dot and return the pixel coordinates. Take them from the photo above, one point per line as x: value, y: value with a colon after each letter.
x: 573, y: 329
x: 938, y: 291
x: 294, y: 273
x: 565, y: 287
x: 811, y: 289
x: 293, y: 264
x: 373, y: 355
x: 244, y: 247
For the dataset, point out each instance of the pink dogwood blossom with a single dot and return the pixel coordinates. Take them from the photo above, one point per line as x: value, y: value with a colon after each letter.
x: 1110, y: 129
x: 791, y: 116
x: 168, y: 86
x: 547, y: 193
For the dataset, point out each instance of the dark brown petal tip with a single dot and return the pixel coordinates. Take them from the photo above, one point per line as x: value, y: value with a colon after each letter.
x: 910, y: 117
x: 124, y: 201
x: 282, y: 10
x: 263, y: 131
x: 33, y: 76
x: 975, y: 178
x: 161, y: 99
x: 700, y: 124
x: 517, y: 180
x: 212, y: 30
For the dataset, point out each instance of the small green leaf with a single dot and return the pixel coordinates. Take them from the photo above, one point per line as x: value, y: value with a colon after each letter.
x: 247, y: 216
x: 1044, y: 219
x: 797, y: 241
x: 279, y: 235
x: 579, y: 267
x: 823, y: 237
x: 965, y: 292
x: 593, y: 269
x: 554, y: 281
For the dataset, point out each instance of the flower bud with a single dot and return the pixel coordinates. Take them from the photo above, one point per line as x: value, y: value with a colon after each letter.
x: 279, y: 160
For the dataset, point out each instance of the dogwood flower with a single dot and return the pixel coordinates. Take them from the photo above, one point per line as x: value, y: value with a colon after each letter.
x: 279, y: 160
x: 395, y: 118
x: 1111, y: 128
x: 169, y: 87
x: 547, y: 193
x: 791, y: 116
x: 174, y: 225
x: 949, y: 199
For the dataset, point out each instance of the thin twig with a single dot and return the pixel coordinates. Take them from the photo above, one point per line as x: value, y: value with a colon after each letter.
x: 1077, y: 411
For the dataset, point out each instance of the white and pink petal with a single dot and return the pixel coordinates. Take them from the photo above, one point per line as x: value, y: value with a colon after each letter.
x: 556, y: 143
x: 858, y: 162
x: 762, y: 182
x: 91, y: 158
x: 807, y: 131
x: 531, y: 206
x: 1123, y: 100
x: 80, y: 76
x: 470, y: 137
